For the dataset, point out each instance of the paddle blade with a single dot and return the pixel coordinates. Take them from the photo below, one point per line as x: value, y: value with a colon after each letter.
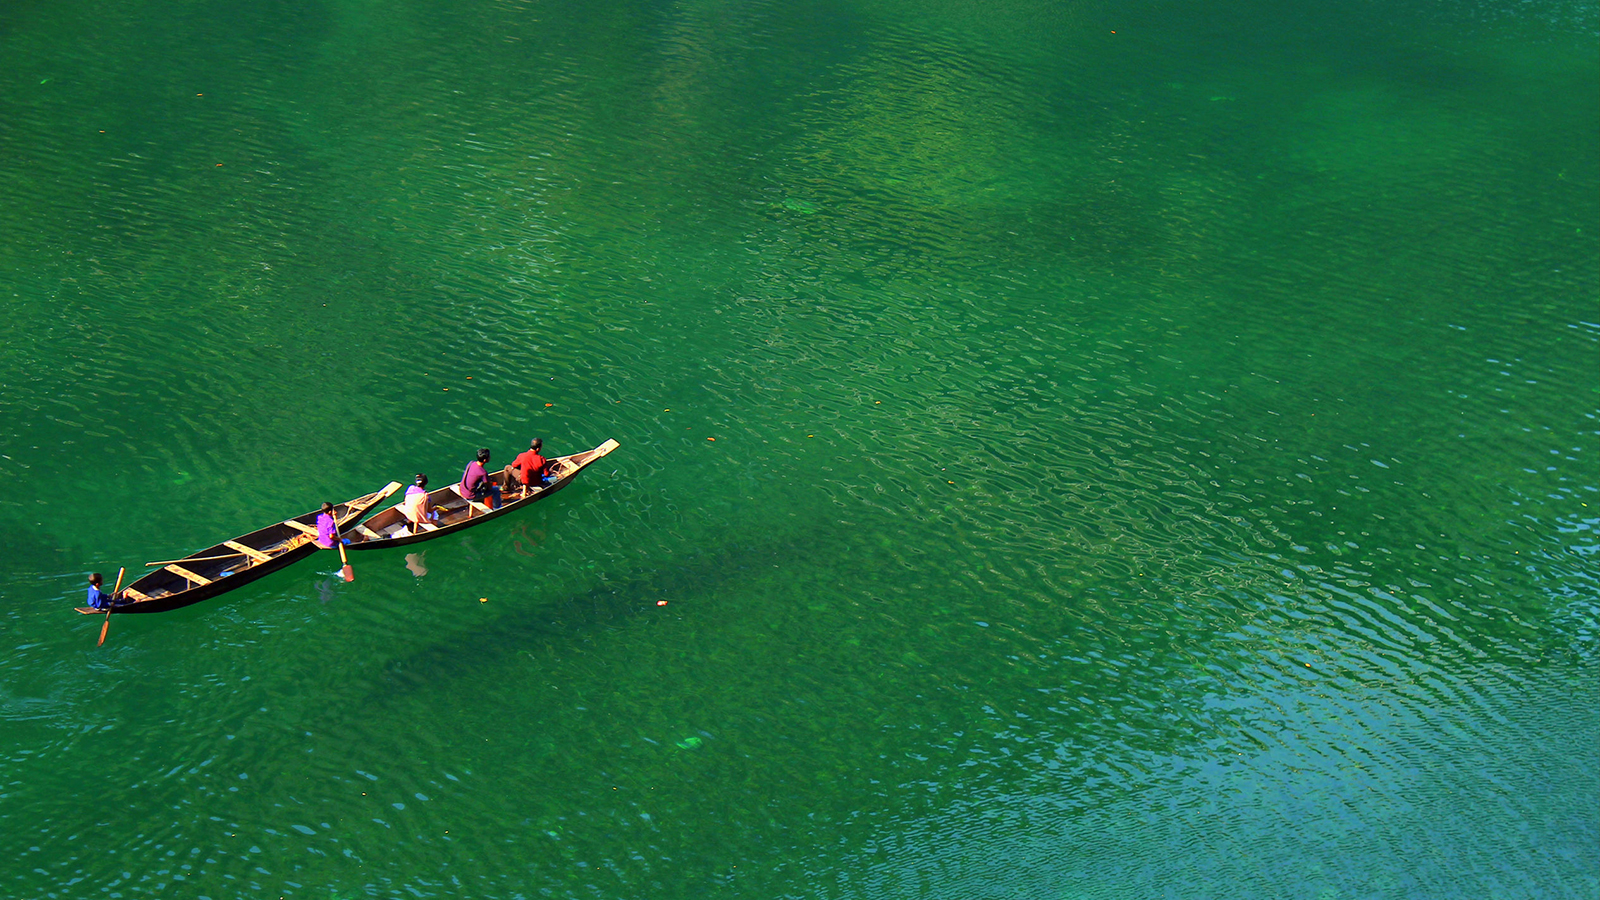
x: 348, y: 573
x: 103, y: 629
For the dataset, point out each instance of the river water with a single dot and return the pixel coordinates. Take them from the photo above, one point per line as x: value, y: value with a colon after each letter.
x: 1068, y: 450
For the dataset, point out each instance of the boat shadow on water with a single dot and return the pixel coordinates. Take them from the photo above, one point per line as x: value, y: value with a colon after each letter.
x: 609, y: 604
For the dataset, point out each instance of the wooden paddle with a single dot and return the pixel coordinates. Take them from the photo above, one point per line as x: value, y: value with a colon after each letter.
x: 114, y: 591
x: 347, y: 573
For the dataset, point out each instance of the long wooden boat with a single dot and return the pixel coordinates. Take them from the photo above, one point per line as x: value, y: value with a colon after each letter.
x: 206, y: 573
x: 391, y: 528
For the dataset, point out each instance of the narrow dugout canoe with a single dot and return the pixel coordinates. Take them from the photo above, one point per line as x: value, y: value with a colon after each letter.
x: 206, y: 573
x: 391, y: 528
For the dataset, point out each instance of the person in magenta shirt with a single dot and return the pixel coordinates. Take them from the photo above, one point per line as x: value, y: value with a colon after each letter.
x: 475, y: 483
x: 327, y: 528
x: 530, y: 468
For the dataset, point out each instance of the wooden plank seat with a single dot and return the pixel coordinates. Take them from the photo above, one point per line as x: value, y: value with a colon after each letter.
x: 301, y: 526
x: 251, y: 552
x: 180, y: 570
x: 472, y: 503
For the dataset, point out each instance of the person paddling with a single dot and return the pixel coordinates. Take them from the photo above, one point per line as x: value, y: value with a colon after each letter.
x: 327, y: 528
x: 328, y: 537
x: 99, y: 599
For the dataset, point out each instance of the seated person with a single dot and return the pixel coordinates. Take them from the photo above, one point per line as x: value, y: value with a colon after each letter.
x: 530, y: 469
x: 327, y: 528
x: 475, y: 483
x: 415, y: 505
x: 99, y: 599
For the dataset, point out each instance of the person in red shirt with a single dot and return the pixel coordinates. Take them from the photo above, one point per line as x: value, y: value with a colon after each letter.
x: 529, y: 469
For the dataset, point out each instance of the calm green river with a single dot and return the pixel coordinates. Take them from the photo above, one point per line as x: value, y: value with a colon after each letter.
x: 1068, y: 449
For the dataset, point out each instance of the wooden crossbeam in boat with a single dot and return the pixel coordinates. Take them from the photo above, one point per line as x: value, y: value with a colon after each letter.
x: 304, y: 528
x: 357, y: 506
x: 180, y: 570
x: 368, y: 533
x: 289, y: 544
x: 137, y: 595
x: 251, y: 552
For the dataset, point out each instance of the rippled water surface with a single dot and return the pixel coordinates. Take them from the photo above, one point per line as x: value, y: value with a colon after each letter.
x: 1068, y: 450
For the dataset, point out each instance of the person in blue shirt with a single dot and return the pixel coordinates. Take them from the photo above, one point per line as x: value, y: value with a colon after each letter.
x: 99, y: 599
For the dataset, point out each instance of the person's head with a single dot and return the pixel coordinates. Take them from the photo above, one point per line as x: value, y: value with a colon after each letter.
x: 327, y: 507
x: 483, y: 454
x: 537, y: 445
x: 422, y: 480
x: 94, y: 579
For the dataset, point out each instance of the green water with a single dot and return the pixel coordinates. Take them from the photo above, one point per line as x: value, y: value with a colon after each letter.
x: 1069, y: 450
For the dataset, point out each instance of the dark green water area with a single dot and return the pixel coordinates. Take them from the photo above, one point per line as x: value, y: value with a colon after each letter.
x: 1068, y: 449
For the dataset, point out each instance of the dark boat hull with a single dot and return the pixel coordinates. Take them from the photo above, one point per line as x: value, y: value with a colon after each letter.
x: 380, y: 534
x: 220, y: 586
x: 223, y: 567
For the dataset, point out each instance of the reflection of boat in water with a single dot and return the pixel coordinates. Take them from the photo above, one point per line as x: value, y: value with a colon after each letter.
x: 391, y: 528
x: 230, y: 564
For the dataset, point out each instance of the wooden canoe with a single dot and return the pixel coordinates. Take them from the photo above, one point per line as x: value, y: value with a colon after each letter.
x: 206, y: 573
x: 391, y: 528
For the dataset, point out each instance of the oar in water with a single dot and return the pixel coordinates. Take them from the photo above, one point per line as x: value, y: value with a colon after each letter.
x: 114, y: 591
x: 347, y: 573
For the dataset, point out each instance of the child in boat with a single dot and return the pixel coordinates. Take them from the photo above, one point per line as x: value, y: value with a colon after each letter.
x: 99, y: 599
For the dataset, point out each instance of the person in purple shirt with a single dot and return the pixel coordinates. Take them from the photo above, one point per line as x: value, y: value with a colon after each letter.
x: 99, y: 599
x: 475, y: 483
x: 327, y: 528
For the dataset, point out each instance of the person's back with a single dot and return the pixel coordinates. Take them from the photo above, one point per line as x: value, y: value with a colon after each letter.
x: 475, y: 483
x: 530, y: 467
x: 98, y: 599
x: 415, y: 504
x: 472, y: 478
x: 327, y: 527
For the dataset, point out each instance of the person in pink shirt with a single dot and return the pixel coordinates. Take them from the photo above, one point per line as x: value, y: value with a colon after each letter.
x: 415, y: 504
